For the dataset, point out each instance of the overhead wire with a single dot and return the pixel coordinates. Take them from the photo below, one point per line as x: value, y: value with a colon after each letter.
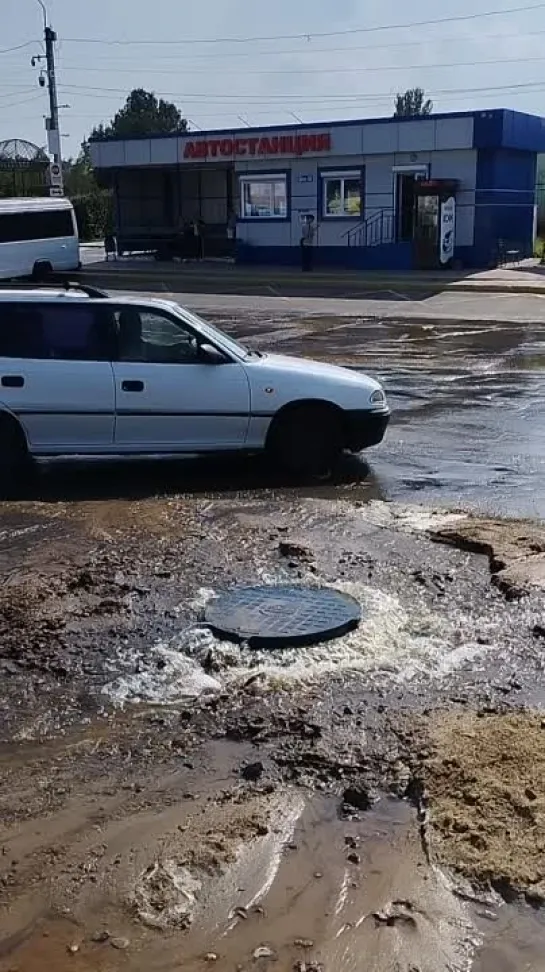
x: 281, y: 96
x: 308, y: 35
x: 311, y: 50
x: 344, y: 70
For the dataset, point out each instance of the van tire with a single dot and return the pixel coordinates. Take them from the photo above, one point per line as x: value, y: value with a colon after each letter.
x: 41, y: 271
x: 14, y: 458
x: 306, y: 438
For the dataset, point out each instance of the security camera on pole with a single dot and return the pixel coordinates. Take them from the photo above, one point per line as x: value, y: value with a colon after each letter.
x: 56, y: 186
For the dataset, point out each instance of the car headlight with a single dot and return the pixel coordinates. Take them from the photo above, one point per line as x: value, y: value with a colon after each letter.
x: 378, y: 397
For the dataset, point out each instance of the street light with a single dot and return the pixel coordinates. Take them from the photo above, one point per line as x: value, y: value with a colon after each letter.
x: 44, y: 11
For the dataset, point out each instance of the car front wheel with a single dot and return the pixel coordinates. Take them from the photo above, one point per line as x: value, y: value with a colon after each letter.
x: 306, y: 439
x: 14, y: 460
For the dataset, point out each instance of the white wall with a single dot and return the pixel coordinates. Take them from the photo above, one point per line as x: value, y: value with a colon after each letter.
x: 382, y: 137
x: 379, y: 193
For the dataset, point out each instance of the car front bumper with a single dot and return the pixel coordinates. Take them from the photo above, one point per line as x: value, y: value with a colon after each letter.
x: 365, y: 428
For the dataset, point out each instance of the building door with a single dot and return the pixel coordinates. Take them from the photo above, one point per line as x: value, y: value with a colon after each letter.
x: 426, y: 231
x: 435, y: 223
x: 406, y: 206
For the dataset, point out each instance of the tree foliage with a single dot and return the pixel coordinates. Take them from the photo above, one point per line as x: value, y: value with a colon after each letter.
x: 411, y: 103
x: 143, y: 114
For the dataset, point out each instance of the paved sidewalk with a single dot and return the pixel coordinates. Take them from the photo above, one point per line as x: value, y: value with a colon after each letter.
x: 216, y: 277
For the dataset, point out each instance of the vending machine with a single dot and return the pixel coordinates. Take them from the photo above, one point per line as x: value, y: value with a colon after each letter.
x: 435, y: 223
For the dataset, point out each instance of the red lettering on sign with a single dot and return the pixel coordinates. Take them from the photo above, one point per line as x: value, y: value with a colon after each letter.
x: 258, y: 145
x: 190, y: 150
x: 252, y: 145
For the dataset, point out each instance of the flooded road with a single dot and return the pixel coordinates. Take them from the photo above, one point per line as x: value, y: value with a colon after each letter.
x: 468, y: 400
x: 169, y: 799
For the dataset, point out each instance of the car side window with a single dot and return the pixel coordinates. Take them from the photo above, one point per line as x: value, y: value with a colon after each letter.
x: 145, y: 335
x: 62, y: 332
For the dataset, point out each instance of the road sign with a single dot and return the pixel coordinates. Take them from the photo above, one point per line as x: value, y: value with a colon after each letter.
x: 55, y: 174
x: 56, y: 191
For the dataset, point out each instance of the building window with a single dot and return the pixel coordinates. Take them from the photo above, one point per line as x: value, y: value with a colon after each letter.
x: 342, y: 194
x: 264, y: 196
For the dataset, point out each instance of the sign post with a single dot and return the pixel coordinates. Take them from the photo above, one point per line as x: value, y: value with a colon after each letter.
x: 56, y: 186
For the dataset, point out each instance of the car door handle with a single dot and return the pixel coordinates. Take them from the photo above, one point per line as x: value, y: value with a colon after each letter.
x: 132, y: 386
x: 12, y: 381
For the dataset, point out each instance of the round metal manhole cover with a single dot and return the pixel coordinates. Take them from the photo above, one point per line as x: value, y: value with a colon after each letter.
x: 276, y: 616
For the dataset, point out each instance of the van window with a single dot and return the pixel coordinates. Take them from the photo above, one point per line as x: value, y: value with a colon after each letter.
x: 49, y: 331
x: 39, y: 225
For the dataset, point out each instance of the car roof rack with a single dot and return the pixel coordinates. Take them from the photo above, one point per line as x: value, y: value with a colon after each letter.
x: 85, y: 289
x: 52, y: 284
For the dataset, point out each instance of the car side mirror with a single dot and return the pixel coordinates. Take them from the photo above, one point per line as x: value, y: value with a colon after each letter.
x: 208, y: 354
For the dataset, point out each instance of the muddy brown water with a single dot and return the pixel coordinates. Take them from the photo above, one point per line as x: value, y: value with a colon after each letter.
x: 342, y: 895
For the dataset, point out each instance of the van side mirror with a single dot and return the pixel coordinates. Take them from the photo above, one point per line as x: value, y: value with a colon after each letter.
x: 208, y: 354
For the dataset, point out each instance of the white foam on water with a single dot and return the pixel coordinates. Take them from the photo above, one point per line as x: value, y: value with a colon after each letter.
x: 397, y: 641
x: 163, y: 675
x: 391, y: 638
x: 417, y: 519
x: 166, y: 895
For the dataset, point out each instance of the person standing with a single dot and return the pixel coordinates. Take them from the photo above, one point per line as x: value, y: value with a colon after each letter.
x: 198, y: 231
x: 307, y: 243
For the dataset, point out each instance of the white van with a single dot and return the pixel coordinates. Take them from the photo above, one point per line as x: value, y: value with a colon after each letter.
x: 37, y: 236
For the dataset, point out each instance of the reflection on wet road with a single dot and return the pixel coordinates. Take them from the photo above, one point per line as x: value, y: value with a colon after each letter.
x: 468, y: 400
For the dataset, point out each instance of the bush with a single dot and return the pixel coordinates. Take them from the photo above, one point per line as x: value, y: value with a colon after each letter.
x: 94, y: 213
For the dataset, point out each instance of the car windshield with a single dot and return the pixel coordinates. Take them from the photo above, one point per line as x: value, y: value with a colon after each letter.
x: 215, y: 335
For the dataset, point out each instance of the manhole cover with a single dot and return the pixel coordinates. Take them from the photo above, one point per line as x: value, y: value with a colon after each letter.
x: 276, y: 616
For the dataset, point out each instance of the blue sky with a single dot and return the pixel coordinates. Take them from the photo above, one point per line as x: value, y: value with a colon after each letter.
x: 351, y: 74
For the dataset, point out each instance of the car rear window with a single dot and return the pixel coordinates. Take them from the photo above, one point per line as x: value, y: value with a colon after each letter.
x: 68, y: 332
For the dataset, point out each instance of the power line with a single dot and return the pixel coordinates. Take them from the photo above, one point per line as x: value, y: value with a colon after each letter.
x: 309, y: 35
x: 25, y: 101
x: 19, y: 47
x: 284, y: 97
x: 347, y: 70
x: 17, y: 91
x: 311, y: 50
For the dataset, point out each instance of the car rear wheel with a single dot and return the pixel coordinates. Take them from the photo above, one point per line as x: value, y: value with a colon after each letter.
x: 41, y: 271
x: 14, y: 460
x: 307, y: 439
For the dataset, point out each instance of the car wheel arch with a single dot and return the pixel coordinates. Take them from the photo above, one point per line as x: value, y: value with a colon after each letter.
x: 10, y: 423
x: 320, y: 404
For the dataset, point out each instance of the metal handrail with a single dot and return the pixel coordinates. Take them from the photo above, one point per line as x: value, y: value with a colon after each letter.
x: 375, y: 229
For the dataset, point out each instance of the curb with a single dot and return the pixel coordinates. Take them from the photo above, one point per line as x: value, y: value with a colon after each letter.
x: 350, y: 286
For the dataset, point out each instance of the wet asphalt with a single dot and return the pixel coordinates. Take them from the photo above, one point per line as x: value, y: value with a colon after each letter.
x: 465, y: 377
x: 467, y: 398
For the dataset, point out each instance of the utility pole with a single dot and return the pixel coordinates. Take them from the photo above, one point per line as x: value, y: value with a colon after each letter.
x: 52, y: 122
x: 54, y: 133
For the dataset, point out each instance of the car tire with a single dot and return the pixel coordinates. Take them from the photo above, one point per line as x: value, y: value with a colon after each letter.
x: 14, y: 460
x: 307, y: 439
x: 41, y: 271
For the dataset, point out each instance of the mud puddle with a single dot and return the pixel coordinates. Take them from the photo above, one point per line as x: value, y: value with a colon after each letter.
x: 261, y: 880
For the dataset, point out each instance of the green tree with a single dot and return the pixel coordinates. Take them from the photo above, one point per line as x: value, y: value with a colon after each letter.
x: 411, y: 103
x: 79, y: 178
x: 143, y: 114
